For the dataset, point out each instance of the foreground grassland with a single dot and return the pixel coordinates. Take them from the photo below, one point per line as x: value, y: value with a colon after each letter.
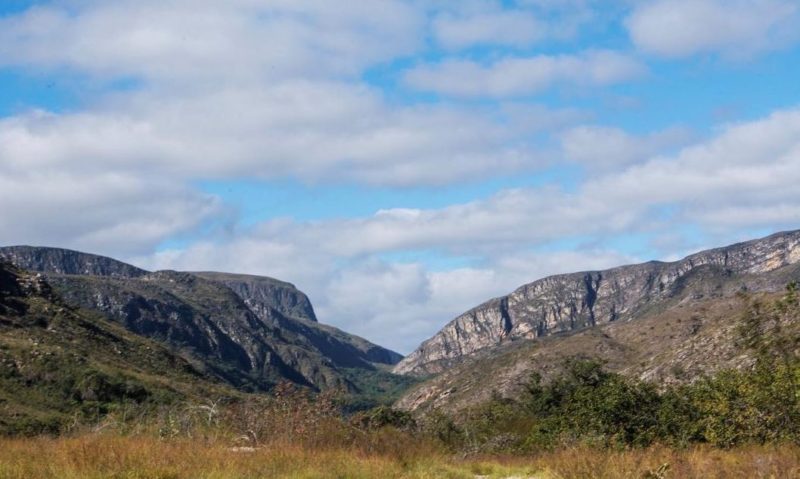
x: 102, y: 456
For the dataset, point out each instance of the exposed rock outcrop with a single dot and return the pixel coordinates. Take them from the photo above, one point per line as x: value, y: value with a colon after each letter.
x: 64, y: 261
x: 571, y: 302
x: 262, y: 294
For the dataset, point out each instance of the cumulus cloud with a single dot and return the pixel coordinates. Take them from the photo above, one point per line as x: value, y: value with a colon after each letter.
x: 107, y: 212
x: 333, y: 132
x: 245, y: 88
x: 733, y: 28
x: 523, y: 76
x: 514, y: 28
x: 242, y: 89
x: 603, y: 148
x: 205, y: 42
x: 753, y: 163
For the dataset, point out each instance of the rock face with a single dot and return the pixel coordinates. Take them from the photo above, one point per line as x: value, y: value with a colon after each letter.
x: 262, y: 294
x: 570, y: 302
x: 249, y: 331
x: 64, y: 261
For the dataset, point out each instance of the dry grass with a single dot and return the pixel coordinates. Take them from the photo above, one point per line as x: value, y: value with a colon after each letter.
x: 707, y: 463
x: 111, y: 456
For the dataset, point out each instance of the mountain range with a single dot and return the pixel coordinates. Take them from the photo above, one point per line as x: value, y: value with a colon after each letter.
x: 124, y: 333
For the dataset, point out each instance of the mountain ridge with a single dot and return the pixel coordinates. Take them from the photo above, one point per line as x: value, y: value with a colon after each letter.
x: 694, y: 334
x: 66, y: 261
x: 261, y: 292
x: 250, y: 331
x: 573, y: 301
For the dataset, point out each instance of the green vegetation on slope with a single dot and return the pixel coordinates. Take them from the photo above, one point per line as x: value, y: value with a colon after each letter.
x: 61, y: 366
x: 376, y: 388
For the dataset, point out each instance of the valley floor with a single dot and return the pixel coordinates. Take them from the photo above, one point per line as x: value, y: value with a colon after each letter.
x: 104, y: 456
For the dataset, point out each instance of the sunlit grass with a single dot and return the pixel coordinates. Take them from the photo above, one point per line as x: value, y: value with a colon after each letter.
x: 110, y: 456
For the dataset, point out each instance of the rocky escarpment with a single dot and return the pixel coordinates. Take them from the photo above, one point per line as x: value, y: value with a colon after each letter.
x: 695, y: 334
x: 262, y: 294
x: 573, y: 301
x: 249, y: 331
x: 64, y: 261
x: 259, y: 293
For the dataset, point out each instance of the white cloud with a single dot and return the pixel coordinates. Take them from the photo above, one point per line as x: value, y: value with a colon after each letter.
x: 314, y: 131
x: 523, y: 76
x: 750, y: 167
x: 603, y: 148
x: 754, y: 163
x: 513, y: 28
x: 734, y: 28
x: 185, y: 42
x: 242, y: 89
x: 104, y: 213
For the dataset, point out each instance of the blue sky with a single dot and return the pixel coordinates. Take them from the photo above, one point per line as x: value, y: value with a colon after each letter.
x: 399, y: 160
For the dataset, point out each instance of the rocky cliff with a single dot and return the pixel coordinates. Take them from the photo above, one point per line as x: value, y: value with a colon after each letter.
x: 262, y: 294
x: 570, y: 302
x: 64, y: 261
x: 249, y: 331
x: 690, y: 335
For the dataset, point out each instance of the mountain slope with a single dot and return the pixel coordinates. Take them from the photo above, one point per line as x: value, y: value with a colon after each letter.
x: 234, y: 327
x: 265, y: 295
x: 690, y: 335
x: 570, y: 302
x: 58, y: 362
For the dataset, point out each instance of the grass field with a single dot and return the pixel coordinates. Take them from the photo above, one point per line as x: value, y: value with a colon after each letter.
x: 110, y: 456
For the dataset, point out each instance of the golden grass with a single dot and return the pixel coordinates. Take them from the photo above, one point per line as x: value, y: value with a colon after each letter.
x: 119, y: 457
x: 659, y: 462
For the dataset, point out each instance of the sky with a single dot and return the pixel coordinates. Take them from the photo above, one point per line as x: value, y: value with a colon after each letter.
x: 400, y: 161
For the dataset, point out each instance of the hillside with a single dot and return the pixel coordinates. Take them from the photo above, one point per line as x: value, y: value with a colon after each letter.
x: 571, y: 302
x: 59, y: 363
x: 252, y: 332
